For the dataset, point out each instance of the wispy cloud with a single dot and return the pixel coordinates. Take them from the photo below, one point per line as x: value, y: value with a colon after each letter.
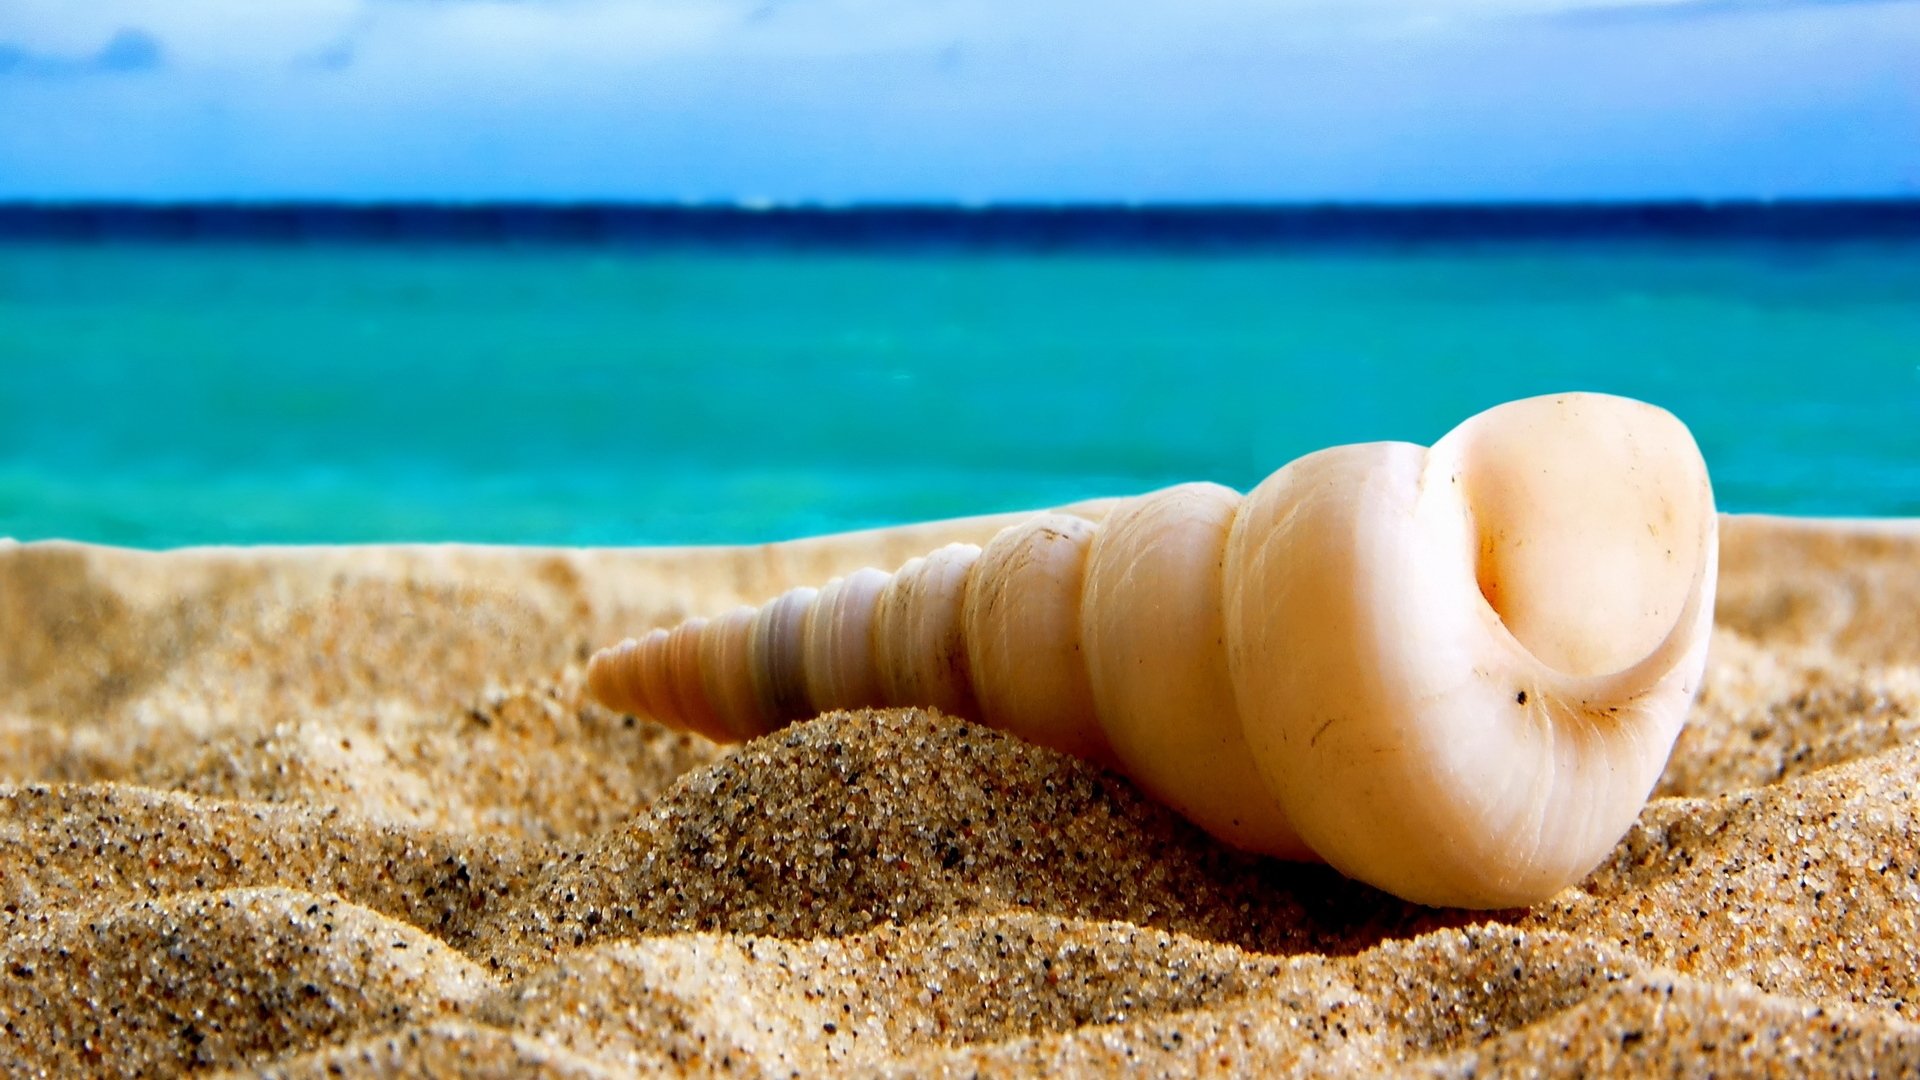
x: 130, y: 49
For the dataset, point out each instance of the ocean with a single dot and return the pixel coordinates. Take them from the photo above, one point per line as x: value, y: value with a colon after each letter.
x: 356, y: 375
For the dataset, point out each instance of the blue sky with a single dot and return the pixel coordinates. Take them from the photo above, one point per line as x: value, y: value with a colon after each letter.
x: 972, y: 100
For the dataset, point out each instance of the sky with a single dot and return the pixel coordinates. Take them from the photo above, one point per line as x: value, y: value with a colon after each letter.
x: 839, y: 101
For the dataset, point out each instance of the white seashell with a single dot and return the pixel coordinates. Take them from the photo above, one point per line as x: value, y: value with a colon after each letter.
x: 1454, y: 673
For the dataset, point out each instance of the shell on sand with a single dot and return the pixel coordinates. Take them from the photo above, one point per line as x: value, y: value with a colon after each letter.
x: 353, y: 807
x: 1453, y: 673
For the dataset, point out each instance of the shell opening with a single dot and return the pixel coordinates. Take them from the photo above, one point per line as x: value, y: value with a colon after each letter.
x: 1591, y: 517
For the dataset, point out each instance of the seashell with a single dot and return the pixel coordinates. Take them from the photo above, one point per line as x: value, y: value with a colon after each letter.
x: 1453, y: 673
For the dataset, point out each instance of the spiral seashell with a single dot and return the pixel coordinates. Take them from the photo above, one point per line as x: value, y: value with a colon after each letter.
x: 1454, y: 673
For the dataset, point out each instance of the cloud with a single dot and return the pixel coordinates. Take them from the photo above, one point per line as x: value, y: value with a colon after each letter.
x: 200, y: 37
x: 130, y: 49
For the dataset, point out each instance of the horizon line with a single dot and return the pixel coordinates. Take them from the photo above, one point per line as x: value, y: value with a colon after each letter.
x: 764, y: 205
x: 1030, y: 227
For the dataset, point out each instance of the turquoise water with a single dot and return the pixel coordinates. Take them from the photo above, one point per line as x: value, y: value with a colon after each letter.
x: 159, y: 395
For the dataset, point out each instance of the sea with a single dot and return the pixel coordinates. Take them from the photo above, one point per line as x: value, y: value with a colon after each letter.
x: 611, y: 375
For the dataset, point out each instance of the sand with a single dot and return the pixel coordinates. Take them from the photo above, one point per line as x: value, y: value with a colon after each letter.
x: 347, y: 812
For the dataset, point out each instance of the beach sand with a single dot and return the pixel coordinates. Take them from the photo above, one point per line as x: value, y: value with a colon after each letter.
x: 347, y: 812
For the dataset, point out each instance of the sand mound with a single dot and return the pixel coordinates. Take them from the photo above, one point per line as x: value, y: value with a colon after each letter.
x: 346, y: 812
x: 828, y: 828
x: 216, y: 978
